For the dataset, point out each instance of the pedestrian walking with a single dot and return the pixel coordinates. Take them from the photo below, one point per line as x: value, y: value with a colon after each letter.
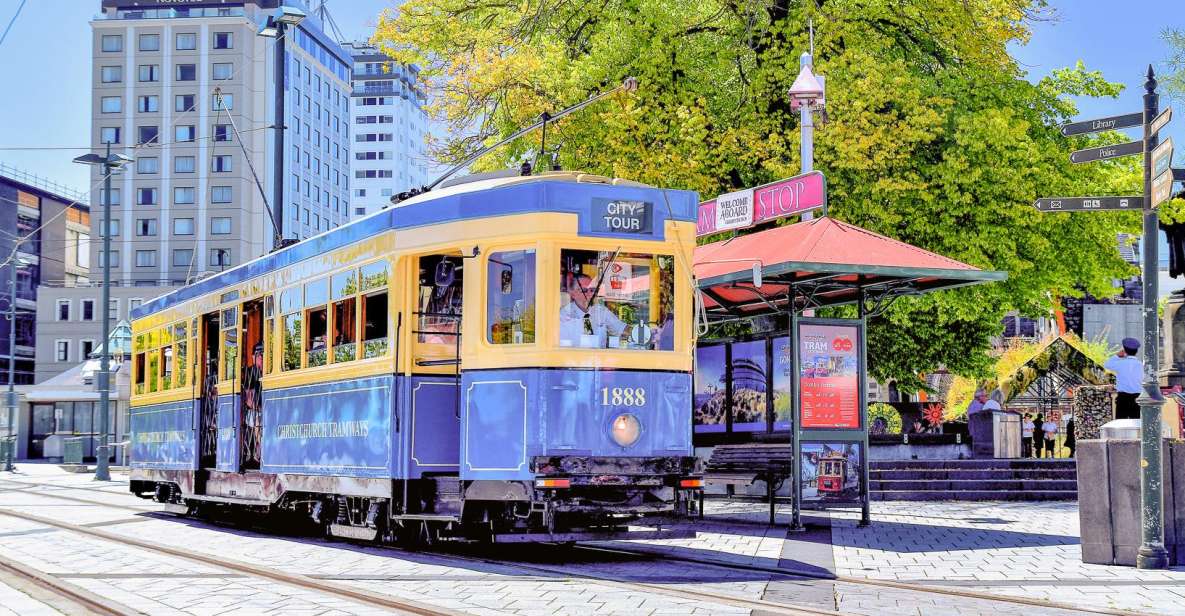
x: 1038, y: 441
x: 1049, y: 433
x: 1070, y: 441
x: 1129, y: 372
x: 1027, y: 427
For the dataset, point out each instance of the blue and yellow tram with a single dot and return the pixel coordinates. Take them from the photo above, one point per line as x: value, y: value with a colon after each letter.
x: 505, y: 357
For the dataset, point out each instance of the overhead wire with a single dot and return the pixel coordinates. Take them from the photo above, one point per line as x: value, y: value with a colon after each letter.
x: 12, y: 21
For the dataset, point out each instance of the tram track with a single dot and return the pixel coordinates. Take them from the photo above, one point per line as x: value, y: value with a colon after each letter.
x: 76, y: 596
x: 765, y: 607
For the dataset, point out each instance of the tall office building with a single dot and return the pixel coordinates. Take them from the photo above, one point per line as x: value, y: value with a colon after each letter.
x: 49, y: 239
x: 185, y: 88
x: 386, y: 109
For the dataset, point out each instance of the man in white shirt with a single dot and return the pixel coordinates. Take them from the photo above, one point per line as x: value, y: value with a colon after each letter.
x: 602, y: 325
x: 1027, y: 427
x: 1129, y: 376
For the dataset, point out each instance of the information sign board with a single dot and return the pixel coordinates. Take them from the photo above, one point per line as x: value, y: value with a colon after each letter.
x: 829, y: 376
x: 768, y: 202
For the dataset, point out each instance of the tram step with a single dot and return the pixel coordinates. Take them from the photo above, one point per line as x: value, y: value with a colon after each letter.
x: 976, y: 495
x: 1031, y: 464
x: 353, y: 532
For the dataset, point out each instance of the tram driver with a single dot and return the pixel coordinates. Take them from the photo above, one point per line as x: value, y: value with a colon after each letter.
x: 585, y: 322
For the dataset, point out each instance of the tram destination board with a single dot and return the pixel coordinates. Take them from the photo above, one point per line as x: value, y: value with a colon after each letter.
x: 1107, y: 152
x: 1088, y: 204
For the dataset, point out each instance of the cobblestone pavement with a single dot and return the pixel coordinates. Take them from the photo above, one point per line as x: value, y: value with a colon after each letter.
x: 1005, y: 549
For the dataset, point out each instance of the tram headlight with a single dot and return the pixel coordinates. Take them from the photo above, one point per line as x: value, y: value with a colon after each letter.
x: 626, y: 429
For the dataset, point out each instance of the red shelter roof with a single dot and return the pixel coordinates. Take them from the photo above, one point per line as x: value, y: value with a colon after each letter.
x: 824, y: 262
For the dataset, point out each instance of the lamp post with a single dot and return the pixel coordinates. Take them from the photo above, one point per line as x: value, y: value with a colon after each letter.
x: 274, y: 27
x: 807, y: 96
x: 110, y: 164
x: 10, y: 450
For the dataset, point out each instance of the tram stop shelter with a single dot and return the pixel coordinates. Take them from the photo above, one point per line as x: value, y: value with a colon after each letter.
x: 816, y: 426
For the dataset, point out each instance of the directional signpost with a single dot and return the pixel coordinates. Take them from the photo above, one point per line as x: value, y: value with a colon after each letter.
x: 1106, y: 152
x: 1089, y: 204
x: 1158, y: 188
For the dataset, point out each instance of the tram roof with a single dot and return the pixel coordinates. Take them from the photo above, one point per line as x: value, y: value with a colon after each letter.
x: 825, y: 262
x: 563, y: 192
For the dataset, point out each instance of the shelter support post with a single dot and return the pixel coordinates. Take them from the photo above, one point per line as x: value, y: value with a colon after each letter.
x: 795, y: 419
x: 865, y: 487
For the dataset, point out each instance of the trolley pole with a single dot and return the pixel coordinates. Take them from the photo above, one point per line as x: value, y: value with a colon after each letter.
x: 1152, y: 553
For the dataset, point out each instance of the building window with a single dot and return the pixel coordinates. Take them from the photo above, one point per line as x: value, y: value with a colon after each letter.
x: 145, y: 227
x: 222, y: 132
x: 224, y: 40
x: 182, y: 257
x: 183, y: 195
x: 186, y: 72
x: 114, y: 258
x: 149, y: 42
x: 183, y: 164
x: 227, y: 102
x: 183, y: 226
x: 112, y: 43
x: 148, y: 104
x: 183, y: 102
x: 112, y: 104
x: 88, y: 347
x: 186, y: 41
x: 109, y: 134
x: 184, y: 133
x: 88, y: 310
x: 220, y: 194
x: 220, y: 226
x: 222, y: 163
x: 63, y: 313
x: 146, y: 196
x: 113, y: 308
x: 111, y: 74
x: 220, y: 257
x: 62, y: 350
x: 113, y: 227
x: 221, y: 71
x: 146, y: 134
x: 148, y: 164
x: 145, y: 258
x: 149, y: 72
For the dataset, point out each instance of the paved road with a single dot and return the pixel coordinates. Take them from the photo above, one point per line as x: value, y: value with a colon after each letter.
x: 1023, y: 550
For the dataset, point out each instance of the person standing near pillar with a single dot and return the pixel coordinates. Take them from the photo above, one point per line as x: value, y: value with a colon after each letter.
x: 1129, y: 373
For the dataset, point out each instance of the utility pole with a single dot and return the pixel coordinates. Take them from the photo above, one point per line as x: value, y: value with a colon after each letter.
x: 10, y: 450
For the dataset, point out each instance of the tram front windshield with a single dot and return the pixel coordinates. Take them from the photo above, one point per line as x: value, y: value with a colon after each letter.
x: 616, y: 300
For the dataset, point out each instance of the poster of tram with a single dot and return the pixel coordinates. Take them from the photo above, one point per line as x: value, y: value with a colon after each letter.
x: 711, y: 408
x: 829, y: 380
x: 831, y: 472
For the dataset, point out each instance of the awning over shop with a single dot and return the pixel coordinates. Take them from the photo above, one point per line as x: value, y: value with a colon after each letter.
x: 818, y: 263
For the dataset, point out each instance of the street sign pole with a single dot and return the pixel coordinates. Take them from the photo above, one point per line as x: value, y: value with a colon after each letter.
x: 1152, y: 553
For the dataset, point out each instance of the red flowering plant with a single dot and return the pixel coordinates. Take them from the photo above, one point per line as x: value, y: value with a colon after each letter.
x: 934, y: 414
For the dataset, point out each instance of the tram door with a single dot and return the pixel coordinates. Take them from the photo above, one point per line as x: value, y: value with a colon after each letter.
x: 207, y: 379
x: 251, y: 386
x: 436, y: 382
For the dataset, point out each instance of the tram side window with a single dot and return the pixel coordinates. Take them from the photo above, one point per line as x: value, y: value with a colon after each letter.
x: 510, y: 293
x: 316, y: 300
x: 182, y: 344
x: 616, y: 300
x: 291, y: 303
x: 373, y: 284
x: 269, y: 328
x: 439, y: 305
x: 230, y: 343
x: 140, y: 365
x: 345, y: 316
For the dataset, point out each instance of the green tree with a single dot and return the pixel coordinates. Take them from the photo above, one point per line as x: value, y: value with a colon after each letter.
x: 933, y: 136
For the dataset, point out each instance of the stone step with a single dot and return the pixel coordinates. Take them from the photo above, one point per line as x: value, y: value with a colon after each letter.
x: 975, y: 495
x: 965, y: 474
x: 971, y: 464
x: 975, y: 485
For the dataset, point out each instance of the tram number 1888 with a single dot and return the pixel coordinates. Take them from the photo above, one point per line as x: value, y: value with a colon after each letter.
x: 623, y: 396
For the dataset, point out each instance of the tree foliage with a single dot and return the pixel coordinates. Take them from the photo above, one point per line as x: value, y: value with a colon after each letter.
x: 933, y: 135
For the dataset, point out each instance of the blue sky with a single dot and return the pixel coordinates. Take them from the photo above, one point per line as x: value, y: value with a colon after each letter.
x: 49, y: 94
